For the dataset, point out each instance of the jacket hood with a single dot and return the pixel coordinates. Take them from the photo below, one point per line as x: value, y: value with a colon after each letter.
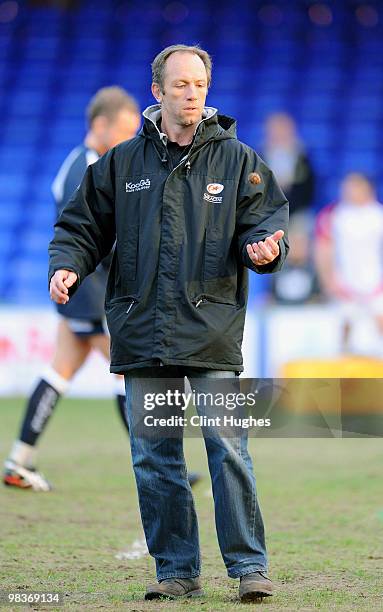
x: 211, y: 127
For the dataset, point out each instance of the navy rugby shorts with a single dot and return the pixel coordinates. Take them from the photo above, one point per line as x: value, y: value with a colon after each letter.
x: 84, y: 328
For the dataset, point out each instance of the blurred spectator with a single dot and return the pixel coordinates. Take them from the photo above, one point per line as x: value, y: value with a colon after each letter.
x: 285, y: 154
x: 297, y: 282
x: 348, y: 254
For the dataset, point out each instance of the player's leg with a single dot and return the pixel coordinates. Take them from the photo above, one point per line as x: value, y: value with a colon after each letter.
x: 70, y: 353
x: 101, y: 343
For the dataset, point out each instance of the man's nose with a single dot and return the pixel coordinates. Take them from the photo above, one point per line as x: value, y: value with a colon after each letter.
x: 191, y: 92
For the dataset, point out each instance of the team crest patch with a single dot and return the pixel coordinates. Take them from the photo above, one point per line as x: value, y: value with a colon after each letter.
x: 214, y: 188
x: 254, y: 178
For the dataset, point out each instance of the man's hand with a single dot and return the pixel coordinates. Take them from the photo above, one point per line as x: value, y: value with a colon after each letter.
x: 265, y: 251
x: 59, y: 285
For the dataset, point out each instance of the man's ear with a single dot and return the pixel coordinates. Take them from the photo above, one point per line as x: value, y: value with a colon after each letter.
x: 156, y: 91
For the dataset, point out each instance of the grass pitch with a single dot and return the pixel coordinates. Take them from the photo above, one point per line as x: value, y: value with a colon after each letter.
x: 322, y: 502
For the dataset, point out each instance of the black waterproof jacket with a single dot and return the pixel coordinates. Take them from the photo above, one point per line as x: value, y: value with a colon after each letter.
x: 177, y: 287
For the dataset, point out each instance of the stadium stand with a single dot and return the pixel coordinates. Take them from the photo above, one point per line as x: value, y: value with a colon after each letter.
x: 321, y: 62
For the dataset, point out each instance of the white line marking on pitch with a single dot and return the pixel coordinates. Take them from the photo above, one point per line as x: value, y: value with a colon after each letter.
x: 136, y: 551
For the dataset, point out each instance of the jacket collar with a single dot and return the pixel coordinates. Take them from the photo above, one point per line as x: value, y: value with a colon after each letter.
x: 211, y: 126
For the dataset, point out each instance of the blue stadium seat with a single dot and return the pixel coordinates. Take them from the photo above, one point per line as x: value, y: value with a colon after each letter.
x: 267, y: 57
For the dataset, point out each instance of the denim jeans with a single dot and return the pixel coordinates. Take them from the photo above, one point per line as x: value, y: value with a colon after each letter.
x: 166, y: 502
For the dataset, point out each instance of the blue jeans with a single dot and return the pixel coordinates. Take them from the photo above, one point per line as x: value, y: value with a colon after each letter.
x: 166, y: 502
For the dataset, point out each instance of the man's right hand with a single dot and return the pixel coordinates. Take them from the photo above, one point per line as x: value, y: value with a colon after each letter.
x: 59, y: 285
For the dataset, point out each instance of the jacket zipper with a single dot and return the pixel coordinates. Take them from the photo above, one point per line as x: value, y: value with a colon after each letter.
x: 206, y: 299
x: 191, y: 154
x: 185, y: 160
x: 132, y: 302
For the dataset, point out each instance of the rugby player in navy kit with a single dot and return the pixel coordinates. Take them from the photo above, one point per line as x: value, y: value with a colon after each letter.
x: 113, y: 116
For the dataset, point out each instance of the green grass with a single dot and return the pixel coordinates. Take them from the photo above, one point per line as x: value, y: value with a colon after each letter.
x: 321, y: 500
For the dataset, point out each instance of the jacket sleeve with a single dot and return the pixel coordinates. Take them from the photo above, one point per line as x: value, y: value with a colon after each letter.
x: 85, y: 229
x: 262, y: 209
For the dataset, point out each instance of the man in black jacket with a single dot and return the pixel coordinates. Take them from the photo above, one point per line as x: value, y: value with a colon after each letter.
x: 190, y: 208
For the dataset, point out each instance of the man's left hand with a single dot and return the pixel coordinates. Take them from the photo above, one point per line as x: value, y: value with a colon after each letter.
x: 265, y: 251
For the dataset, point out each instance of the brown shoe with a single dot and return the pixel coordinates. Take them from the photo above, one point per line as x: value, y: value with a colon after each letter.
x: 174, y: 588
x: 255, y: 586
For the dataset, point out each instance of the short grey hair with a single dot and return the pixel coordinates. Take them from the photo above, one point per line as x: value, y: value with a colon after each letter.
x: 158, y: 65
x: 109, y: 101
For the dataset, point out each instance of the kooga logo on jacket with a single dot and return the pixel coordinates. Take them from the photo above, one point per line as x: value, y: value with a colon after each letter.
x: 143, y: 184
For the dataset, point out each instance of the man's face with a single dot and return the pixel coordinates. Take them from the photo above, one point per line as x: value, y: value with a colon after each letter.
x: 123, y: 127
x: 280, y: 131
x: 356, y: 190
x: 185, y: 89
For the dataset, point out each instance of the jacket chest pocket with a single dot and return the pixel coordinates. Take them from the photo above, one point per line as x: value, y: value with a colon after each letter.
x: 135, y: 193
x: 218, y: 199
x: 131, y: 244
x: 211, y: 255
